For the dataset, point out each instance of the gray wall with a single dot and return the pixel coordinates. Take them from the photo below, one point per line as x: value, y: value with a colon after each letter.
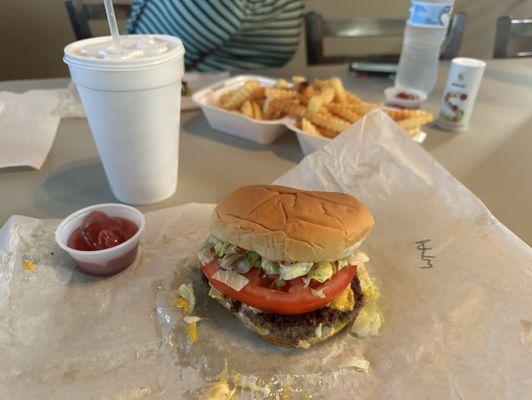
x: 37, y: 31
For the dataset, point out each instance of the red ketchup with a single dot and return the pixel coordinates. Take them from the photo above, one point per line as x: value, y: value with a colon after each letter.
x: 99, y: 231
x: 406, y: 96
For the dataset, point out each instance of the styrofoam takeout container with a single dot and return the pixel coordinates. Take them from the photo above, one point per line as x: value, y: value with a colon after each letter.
x: 233, y: 123
x: 108, y: 261
x: 264, y: 132
x: 310, y: 143
x: 307, y: 142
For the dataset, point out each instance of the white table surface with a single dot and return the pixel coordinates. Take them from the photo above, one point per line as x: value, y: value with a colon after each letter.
x: 493, y: 158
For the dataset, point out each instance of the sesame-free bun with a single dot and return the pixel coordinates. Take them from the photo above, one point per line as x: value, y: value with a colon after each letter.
x: 286, y: 224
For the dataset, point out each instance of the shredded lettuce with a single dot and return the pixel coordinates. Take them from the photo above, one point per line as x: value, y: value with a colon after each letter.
x: 191, y: 319
x: 342, y: 263
x: 242, y: 266
x: 232, y: 249
x: 205, y: 256
x: 370, y: 317
x: 280, y: 282
x: 232, y: 257
x: 360, y: 364
x: 358, y: 258
x: 369, y: 289
x: 219, y: 249
x: 225, y: 249
x: 295, y: 270
x: 318, y: 293
x: 321, y: 271
x: 269, y: 267
x: 318, y: 332
x: 253, y: 259
x: 216, y: 294
x: 232, y: 279
x: 327, y: 331
x: 250, y: 308
x: 187, y: 292
x: 260, y: 329
x: 368, y: 321
x: 216, y: 244
x: 250, y: 260
x: 212, y: 240
x: 228, y: 261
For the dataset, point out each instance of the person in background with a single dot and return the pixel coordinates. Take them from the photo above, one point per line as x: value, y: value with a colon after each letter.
x: 223, y: 35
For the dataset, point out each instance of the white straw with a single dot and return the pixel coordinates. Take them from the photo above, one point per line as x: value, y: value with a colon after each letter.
x: 113, y: 26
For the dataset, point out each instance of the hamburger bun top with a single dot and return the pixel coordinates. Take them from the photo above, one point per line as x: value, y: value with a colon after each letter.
x: 286, y: 224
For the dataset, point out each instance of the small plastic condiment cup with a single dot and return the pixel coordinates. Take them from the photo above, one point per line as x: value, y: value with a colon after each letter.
x: 393, y: 101
x: 108, y: 261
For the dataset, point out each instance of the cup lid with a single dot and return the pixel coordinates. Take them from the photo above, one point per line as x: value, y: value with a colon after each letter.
x: 74, y: 53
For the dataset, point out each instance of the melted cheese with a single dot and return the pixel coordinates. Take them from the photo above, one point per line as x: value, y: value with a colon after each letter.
x: 219, y: 391
x: 29, y: 265
x: 181, y: 302
x: 344, y: 302
x: 192, y: 332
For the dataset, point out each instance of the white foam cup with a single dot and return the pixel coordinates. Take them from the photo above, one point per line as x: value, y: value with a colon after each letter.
x: 132, y: 102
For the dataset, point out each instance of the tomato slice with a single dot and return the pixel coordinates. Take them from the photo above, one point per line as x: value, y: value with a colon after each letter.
x: 293, y: 298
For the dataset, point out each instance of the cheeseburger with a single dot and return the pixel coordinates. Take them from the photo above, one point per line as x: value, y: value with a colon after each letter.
x: 284, y: 261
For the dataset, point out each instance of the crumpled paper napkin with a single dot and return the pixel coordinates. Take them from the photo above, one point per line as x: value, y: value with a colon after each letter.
x: 28, y: 124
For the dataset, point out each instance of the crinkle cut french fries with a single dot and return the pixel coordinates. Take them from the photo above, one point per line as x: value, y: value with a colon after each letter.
x: 323, y: 107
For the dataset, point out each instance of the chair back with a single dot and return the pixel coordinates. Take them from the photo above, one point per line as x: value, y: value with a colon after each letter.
x: 316, y: 29
x: 80, y: 14
x: 509, y: 28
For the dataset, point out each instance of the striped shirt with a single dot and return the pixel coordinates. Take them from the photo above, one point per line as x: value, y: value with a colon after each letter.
x: 221, y: 35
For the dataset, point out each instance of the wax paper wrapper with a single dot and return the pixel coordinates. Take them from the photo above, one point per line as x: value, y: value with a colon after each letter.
x: 455, y: 283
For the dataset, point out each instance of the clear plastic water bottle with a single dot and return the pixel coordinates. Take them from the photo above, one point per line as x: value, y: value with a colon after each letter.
x: 425, y: 31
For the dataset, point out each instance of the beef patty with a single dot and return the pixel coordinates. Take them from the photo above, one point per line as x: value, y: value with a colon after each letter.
x: 296, y: 327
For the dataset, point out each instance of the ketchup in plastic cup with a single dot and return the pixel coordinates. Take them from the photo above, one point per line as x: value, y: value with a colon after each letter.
x: 407, y: 96
x: 99, y: 231
x: 404, y: 97
x: 103, y: 239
